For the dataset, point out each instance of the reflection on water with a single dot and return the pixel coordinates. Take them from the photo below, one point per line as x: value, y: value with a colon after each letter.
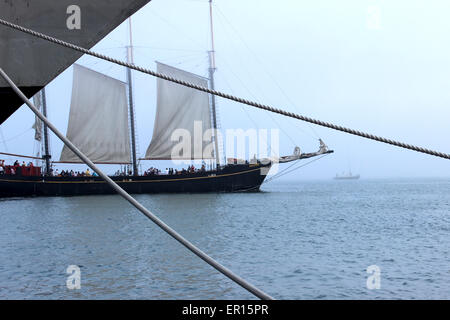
x: 309, y: 240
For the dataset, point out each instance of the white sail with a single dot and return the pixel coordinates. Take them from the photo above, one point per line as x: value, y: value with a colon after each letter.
x: 98, y: 120
x: 181, y: 109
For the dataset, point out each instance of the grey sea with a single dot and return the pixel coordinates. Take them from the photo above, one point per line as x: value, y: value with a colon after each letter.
x: 294, y: 240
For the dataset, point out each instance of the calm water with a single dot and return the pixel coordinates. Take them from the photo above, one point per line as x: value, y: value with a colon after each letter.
x: 302, y: 240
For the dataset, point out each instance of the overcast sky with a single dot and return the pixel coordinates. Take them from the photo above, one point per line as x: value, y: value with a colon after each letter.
x: 377, y: 66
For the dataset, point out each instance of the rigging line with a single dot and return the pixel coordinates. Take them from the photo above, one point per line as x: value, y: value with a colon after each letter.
x: 187, y: 55
x: 150, y: 47
x: 227, y: 272
x: 254, y: 97
x: 294, y: 169
x: 242, y: 107
x: 105, y: 69
x: 279, y: 173
x: 201, y: 63
x: 168, y: 49
x: 284, y: 172
x: 15, y: 137
x: 176, y: 28
x: 245, y: 111
x: 176, y: 60
x: 261, y: 91
x: 20, y: 155
x: 248, y: 115
x: 204, y: 1
x: 3, y: 139
x: 188, y: 60
x: 262, y: 65
x: 228, y: 96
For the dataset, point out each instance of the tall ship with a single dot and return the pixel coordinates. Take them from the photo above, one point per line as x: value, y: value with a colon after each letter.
x: 101, y: 120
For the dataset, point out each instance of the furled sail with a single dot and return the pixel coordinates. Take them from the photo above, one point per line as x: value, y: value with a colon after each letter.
x: 37, y: 122
x: 183, y: 119
x: 98, y: 119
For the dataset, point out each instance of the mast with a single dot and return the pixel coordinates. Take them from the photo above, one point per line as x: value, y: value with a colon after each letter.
x: 212, y: 69
x: 130, y: 98
x: 46, y: 155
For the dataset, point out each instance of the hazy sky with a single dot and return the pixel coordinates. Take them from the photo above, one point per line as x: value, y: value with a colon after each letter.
x: 378, y: 66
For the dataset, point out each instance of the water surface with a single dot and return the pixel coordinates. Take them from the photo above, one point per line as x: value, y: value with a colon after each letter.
x: 295, y: 240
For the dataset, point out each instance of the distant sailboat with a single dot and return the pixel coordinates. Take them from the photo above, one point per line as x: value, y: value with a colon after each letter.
x: 347, y: 176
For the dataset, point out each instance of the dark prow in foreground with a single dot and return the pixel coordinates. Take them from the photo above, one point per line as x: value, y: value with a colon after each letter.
x: 32, y: 62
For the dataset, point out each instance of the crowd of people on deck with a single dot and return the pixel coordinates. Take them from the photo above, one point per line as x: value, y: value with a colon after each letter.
x: 72, y: 173
x: 171, y: 171
x: 13, y: 170
x: 17, y: 169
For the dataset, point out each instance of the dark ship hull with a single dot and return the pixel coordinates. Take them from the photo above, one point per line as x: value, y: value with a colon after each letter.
x: 231, y: 178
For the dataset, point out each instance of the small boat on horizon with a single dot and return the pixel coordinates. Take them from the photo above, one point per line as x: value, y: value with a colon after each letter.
x: 347, y: 176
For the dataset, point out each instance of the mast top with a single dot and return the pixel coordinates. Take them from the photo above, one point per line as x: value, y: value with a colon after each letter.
x: 212, y: 58
x: 130, y: 46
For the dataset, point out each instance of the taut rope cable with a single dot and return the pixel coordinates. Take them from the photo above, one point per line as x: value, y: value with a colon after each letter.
x: 228, y: 96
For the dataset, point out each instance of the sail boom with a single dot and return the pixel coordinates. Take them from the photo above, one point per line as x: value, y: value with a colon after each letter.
x: 20, y: 156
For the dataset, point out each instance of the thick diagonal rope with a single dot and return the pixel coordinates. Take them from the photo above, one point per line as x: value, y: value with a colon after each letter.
x: 228, y: 96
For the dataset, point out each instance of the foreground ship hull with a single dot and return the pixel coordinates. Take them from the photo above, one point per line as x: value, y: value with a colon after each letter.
x: 234, y: 178
x: 31, y: 62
